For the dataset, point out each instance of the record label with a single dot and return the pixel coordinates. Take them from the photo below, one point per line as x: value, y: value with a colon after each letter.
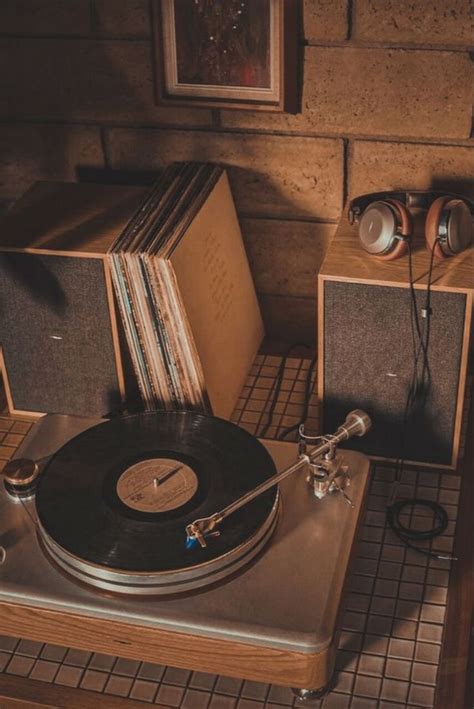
x: 157, y: 485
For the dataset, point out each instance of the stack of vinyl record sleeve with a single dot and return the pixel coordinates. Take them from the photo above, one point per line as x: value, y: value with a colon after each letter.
x: 185, y: 293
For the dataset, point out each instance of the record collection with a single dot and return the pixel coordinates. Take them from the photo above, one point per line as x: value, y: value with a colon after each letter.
x: 185, y: 293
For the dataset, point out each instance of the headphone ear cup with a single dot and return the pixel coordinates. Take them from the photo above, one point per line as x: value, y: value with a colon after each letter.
x: 401, y: 245
x: 432, y: 227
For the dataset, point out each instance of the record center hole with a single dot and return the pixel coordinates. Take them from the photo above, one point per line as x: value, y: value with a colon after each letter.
x: 157, y: 485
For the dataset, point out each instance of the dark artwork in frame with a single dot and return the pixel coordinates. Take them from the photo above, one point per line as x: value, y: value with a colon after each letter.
x: 226, y: 53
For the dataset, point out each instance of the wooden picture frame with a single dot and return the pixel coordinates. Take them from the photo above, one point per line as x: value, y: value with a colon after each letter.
x: 239, y: 54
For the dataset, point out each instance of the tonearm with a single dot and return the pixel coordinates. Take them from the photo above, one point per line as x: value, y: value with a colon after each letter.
x: 323, y: 466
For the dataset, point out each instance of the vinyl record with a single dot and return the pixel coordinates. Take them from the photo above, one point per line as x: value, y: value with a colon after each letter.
x: 119, y: 495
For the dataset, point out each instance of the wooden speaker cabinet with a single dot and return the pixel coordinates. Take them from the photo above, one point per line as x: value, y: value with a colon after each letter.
x: 60, y: 342
x: 365, y: 347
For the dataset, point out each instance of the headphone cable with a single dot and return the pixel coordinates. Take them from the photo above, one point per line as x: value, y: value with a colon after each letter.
x: 394, y: 509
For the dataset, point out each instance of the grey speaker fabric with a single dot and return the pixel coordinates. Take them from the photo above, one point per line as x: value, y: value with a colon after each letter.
x: 368, y: 364
x: 56, y: 336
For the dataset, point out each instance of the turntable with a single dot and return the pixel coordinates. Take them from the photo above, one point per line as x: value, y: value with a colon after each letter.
x: 181, y: 539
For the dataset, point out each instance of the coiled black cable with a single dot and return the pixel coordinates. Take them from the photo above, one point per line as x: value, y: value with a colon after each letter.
x: 410, y: 536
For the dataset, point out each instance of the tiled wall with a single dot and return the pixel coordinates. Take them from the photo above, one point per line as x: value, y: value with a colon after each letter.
x: 386, y: 102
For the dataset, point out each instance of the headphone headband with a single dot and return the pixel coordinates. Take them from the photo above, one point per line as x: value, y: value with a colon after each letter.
x: 412, y: 199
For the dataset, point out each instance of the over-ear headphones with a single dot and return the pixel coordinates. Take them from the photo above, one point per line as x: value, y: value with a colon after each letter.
x: 385, y: 222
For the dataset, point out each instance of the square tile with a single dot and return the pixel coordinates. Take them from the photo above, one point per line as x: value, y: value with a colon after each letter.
x: 371, y: 665
x: 31, y: 648
x: 20, y: 665
x: 194, y: 699
x: 432, y: 614
x: 128, y: 668
x: 102, y: 662
x: 94, y: 680
x: 367, y: 567
x: 350, y: 641
x: 8, y: 644
x: 169, y: 695
x: 414, y: 574
x: 389, y: 570
x: 119, y: 686
x: 450, y: 497
x: 353, y: 621
x: 386, y: 587
x: 421, y: 696
x: 368, y: 550
x: 376, y: 644
x: 428, y: 632
x: 361, y: 584
x: 343, y: 682
x: 411, y: 591
x: 357, y: 602
x: 228, y: 685
x: 424, y: 674
x: 69, y: 676
x: 403, y: 649
x: 436, y: 594
x: 371, y: 534
x: 143, y: 690
x: 346, y: 660
x: 427, y: 652
x: 381, y: 605
x: 367, y: 686
x: 377, y: 502
x: 392, y: 551
x: 437, y: 577
x: 379, y: 625
x: 149, y: 670
x: 78, y: 658
x: 281, y: 695
x: 202, y: 680
x: 55, y: 653
x: 44, y: 671
x: 451, y: 482
x: 398, y: 669
x: 175, y: 675
x: 254, y: 690
x: 429, y: 479
x: 394, y: 690
x: 374, y: 518
x: 416, y: 558
x: 405, y: 629
x: 408, y: 610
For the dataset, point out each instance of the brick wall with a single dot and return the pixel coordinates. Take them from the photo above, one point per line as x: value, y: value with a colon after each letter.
x: 387, y: 102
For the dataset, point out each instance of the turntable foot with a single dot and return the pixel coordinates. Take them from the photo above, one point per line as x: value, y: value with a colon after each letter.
x: 306, y: 696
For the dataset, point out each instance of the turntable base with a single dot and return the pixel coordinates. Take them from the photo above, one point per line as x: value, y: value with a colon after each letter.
x: 274, y: 621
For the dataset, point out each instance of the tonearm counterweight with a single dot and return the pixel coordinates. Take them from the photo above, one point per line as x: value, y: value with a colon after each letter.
x: 324, y: 470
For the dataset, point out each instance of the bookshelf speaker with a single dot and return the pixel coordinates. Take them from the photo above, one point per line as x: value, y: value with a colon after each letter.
x: 60, y: 347
x: 366, y: 351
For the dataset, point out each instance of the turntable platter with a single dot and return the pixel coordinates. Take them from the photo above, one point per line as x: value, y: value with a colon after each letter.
x: 114, y: 502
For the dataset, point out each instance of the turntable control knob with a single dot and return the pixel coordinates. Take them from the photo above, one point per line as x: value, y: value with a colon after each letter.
x: 20, y: 476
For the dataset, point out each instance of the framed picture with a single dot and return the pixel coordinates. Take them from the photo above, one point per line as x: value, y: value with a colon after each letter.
x: 226, y: 53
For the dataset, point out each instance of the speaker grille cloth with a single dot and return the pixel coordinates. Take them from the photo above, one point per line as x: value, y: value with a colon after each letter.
x: 56, y: 336
x: 368, y: 364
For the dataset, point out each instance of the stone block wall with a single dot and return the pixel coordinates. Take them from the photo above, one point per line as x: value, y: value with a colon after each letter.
x: 386, y: 103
